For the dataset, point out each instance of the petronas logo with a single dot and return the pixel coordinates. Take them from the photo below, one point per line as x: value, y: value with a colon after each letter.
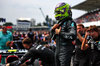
x: 72, y: 24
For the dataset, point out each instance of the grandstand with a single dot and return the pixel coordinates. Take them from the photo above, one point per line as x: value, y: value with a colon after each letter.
x: 92, y: 17
x: 37, y: 28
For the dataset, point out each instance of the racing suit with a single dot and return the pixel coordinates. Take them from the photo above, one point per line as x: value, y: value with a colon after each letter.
x: 37, y: 51
x: 64, y: 46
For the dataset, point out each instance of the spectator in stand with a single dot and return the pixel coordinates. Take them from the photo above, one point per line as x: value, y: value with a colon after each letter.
x: 89, y: 17
x: 44, y: 35
x: 35, y: 37
x: 15, y: 36
x: 4, y: 37
x: 26, y: 35
x: 23, y: 34
x: 40, y: 37
x: 30, y: 34
x: 47, y: 38
x: 19, y: 35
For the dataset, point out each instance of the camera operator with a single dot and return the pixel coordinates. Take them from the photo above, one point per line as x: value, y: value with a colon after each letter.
x: 81, y: 57
x: 92, y: 40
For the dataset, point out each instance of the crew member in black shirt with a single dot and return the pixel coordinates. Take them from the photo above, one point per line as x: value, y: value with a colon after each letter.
x: 92, y: 41
x: 30, y: 34
x: 81, y: 57
x: 35, y: 51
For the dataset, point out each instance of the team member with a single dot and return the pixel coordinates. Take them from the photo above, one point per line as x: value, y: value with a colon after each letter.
x: 92, y: 40
x: 81, y: 57
x: 65, y: 32
x: 35, y: 51
x: 30, y: 34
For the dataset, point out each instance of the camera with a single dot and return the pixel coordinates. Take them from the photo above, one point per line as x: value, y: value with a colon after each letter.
x: 89, y: 37
x: 93, y: 43
x: 90, y: 40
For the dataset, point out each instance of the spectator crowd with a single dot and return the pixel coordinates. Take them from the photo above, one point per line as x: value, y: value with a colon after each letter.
x: 89, y: 17
x: 68, y: 41
x: 82, y: 45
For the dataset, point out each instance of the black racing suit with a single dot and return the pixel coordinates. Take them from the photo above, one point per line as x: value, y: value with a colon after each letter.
x: 64, y: 46
x: 37, y: 51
